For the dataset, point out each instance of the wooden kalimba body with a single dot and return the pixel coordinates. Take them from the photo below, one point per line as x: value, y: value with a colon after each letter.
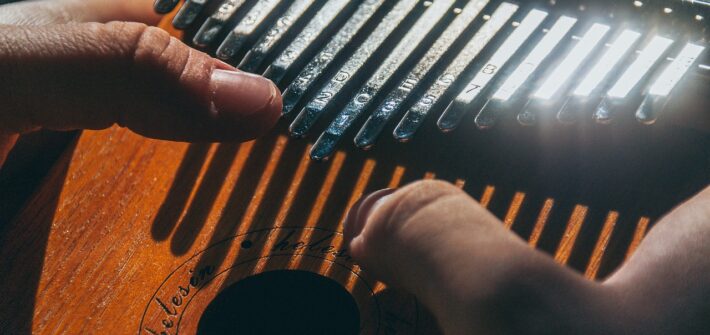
x: 132, y: 235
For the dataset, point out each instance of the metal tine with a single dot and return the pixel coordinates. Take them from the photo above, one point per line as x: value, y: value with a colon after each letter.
x: 268, y: 41
x: 315, y: 108
x: 504, y: 95
x: 214, y: 24
x: 411, y: 121
x: 246, y: 28
x: 453, y: 114
x: 657, y: 95
x: 374, y: 125
x: 313, y: 70
x: 164, y: 6
x: 414, y: 39
x: 188, y: 13
x: 597, y: 78
x: 632, y: 78
x: 555, y: 84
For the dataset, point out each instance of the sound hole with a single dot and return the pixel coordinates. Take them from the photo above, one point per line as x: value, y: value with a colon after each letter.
x: 282, y: 302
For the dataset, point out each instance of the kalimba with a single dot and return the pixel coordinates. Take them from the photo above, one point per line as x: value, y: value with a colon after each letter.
x: 509, y: 57
x: 544, y: 111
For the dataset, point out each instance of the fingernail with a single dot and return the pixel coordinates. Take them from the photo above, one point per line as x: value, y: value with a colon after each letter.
x: 238, y: 95
x: 363, y: 208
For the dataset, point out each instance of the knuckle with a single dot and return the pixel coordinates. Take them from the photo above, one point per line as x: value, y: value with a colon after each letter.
x: 95, y: 29
x: 427, y: 192
x: 149, y: 49
x: 409, y: 212
x: 155, y: 51
x: 149, y: 44
x: 418, y: 197
x: 137, y: 43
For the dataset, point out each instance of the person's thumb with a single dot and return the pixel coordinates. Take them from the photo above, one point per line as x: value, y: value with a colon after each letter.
x: 91, y: 75
x: 431, y: 239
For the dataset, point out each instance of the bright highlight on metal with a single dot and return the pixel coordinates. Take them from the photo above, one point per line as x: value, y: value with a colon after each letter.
x: 611, y: 58
x: 396, y: 58
x: 413, y: 119
x: 553, y: 37
x: 354, y: 65
x: 572, y: 62
x: 633, y: 75
x: 531, y: 22
x: 676, y: 70
x: 374, y: 125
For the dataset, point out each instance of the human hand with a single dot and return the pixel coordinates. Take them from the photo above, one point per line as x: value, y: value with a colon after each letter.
x: 63, y: 68
x: 433, y: 240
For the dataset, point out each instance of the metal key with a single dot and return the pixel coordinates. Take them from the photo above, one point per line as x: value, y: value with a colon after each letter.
x: 324, y: 18
x: 214, y: 24
x: 490, y: 112
x: 317, y: 106
x: 415, y: 116
x: 188, y: 13
x: 253, y: 59
x: 392, y: 103
x: 453, y: 114
x: 245, y: 29
x: 412, y: 39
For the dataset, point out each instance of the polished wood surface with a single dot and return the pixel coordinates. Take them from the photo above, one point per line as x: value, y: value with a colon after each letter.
x: 108, y: 233
x: 123, y: 222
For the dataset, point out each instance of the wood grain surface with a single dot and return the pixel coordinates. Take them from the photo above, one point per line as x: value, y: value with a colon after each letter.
x: 123, y: 221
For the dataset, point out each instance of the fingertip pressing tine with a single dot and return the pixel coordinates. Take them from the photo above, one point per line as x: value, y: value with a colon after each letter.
x: 238, y: 96
x: 357, y: 215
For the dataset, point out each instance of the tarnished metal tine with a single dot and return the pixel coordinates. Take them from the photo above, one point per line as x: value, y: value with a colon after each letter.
x: 374, y: 125
x: 245, y: 29
x: 188, y: 13
x: 268, y: 41
x: 317, y: 106
x: 214, y: 24
x: 414, y: 37
x: 313, y: 70
x: 164, y: 6
x: 413, y: 119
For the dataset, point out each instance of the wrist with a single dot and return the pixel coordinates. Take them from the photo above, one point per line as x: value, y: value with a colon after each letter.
x: 527, y: 294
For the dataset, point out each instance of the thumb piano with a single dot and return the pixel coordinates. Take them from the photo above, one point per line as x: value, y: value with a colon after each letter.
x: 559, y: 116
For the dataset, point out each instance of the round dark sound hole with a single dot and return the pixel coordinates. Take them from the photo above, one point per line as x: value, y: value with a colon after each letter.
x: 282, y: 302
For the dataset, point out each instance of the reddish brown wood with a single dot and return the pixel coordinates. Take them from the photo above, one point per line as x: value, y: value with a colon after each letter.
x: 120, y: 213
